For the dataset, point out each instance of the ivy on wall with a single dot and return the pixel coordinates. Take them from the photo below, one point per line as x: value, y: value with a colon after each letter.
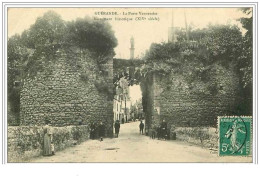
x: 38, y: 48
x: 196, y: 60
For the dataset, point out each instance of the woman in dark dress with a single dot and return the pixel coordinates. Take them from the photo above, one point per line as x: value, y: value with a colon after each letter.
x: 92, y: 131
x: 47, y: 151
x: 117, y: 127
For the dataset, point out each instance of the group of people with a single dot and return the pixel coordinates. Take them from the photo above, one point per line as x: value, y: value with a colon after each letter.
x: 97, y: 131
x: 161, y: 131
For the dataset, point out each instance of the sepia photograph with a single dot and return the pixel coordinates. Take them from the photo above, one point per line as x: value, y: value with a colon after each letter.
x: 130, y: 84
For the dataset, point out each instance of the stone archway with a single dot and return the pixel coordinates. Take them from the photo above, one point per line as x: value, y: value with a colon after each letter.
x: 130, y: 71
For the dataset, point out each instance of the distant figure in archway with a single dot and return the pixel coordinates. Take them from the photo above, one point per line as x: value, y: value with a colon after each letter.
x: 141, y: 126
x: 117, y: 128
x: 123, y: 120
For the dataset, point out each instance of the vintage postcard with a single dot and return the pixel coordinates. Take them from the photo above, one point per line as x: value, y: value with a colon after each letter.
x: 127, y: 84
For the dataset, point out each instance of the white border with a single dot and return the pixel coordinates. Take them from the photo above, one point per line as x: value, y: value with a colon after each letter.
x: 136, y: 176
x: 129, y: 4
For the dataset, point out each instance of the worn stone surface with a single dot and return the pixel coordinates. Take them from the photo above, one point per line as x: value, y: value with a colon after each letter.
x: 26, y: 142
x: 65, y: 93
x: 182, y: 105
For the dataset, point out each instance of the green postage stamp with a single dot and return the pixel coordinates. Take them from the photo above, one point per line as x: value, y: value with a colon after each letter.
x: 235, y: 135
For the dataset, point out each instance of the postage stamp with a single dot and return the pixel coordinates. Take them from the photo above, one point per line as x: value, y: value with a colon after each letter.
x: 235, y: 135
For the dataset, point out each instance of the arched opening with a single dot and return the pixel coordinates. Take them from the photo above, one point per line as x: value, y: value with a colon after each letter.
x: 128, y: 100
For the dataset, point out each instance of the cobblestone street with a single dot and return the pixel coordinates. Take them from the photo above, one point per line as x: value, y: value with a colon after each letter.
x: 133, y: 147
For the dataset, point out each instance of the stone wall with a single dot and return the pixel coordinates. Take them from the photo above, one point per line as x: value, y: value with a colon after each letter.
x: 65, y: 93
x: 147, y: 88
x: 202, y: 136
x: 181, y: 104
x: 26, y: 142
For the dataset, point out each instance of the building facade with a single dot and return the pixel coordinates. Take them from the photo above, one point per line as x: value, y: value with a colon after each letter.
x: 122, y: 103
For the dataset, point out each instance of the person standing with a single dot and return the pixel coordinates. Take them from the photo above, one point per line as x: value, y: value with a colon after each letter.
x: 158, y: 130
x: 101, y: 130
x: 96, y: 131
x: 164, y: 129
x: 47, y: 139
x: 153, y: 132
x: 141, y: 126
x: 117, y: 128
x: 92, y: 131
x: 47, y: 150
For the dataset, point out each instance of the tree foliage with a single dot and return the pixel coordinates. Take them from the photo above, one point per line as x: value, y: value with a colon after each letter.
x: 36, y: 48
x: 246, y: 57
x: 96, y: 36
x: 196, y: 59
x: 17, y: 56
x: 216, y: 43
x: 47, y: 30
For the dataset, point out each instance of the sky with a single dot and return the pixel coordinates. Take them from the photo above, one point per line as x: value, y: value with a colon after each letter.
x: 143, y: 30
x: 135, y: 93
